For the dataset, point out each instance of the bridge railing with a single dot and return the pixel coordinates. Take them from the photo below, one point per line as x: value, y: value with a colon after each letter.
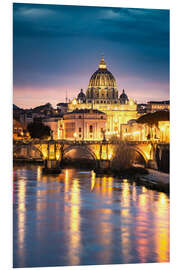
x: 73, y: 142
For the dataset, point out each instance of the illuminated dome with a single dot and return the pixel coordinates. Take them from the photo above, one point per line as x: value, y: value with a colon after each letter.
x: 102, y: 84
x: 81, y: 96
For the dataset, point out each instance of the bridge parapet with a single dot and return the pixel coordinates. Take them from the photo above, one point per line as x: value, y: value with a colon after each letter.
x: 56, y: 149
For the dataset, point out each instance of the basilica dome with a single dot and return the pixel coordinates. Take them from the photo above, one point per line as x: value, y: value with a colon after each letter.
x: 102, y: 77
x: 102, y: 84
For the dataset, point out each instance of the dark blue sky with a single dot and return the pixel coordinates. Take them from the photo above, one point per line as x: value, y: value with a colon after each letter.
x: 57, y: 48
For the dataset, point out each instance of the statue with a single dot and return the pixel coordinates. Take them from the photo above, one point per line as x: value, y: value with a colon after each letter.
x: 104, y: 136
x: 51, y: 134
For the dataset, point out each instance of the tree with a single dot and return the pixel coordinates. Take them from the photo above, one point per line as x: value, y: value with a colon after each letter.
x: 123, y: 157
x: 154, y: 118
x: 38, y: 130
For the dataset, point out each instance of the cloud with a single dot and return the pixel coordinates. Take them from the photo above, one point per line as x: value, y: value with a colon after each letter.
x: 34, y: 12
x: 55, y: 44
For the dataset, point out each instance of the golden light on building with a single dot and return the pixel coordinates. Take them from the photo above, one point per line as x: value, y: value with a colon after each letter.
x: 74, y: 102
x: 164, y: 127
x: 75, y: 135
x: 102, y: 95
x: 57, y: 155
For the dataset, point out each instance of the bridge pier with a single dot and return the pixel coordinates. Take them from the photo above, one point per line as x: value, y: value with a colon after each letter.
x: 51, y: 164
x: 151, y: 164
x: 104, y: 164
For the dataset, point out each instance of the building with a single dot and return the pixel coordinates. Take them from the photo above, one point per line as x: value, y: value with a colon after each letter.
x: 84, y: 124
x: 142, y: 108
x: 54, y: 123
x: 133, y: 131
x: 62, y: 107
x: 102, y: 95
x: 101, y: 111
x: 154, y: 106
x: 164, y: 127
x: 18, y: 132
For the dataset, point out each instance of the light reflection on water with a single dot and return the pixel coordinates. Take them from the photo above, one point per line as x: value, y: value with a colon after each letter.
x: 77, y: 218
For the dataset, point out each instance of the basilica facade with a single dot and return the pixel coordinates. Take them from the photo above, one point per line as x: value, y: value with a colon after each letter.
x: 102, y: 95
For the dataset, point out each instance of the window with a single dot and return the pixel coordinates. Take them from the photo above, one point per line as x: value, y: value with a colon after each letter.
x: 101, y: 117
x: 79, y: 116
x: 79, y: 129
x: 90, y: 128
x: 79, y: 135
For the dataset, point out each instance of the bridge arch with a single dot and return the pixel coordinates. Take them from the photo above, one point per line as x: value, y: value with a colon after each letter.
x: 27, y: 151
x: 84, y: 148
x: 141, y: 153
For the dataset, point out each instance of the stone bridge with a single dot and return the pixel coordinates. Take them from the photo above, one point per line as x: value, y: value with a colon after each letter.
x: 96, y: 150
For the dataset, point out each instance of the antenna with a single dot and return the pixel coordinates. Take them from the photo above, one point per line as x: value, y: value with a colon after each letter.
x: 66, y: 96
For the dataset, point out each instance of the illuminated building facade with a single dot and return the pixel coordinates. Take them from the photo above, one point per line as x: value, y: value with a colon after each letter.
x: 133, y: 131
x: 102, y: 95
x: 154, y: 106
x: 84, y: 124
x: 103, y: 110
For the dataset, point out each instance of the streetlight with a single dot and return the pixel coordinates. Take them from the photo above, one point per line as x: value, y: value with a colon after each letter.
x: 75, y: 135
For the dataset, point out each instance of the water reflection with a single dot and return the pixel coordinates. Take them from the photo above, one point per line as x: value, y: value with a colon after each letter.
x: 162, y: 235
x: 20, y: 204
x: 73, y: 217
x: 75, y: 236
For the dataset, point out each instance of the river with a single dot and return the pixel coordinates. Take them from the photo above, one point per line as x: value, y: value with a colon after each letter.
x: 76, y: 218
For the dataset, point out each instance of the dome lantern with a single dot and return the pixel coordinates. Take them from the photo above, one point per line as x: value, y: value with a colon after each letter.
x: 102, y: 63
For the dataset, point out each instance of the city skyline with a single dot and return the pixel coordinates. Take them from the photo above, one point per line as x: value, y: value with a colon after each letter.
x: 54, y: 53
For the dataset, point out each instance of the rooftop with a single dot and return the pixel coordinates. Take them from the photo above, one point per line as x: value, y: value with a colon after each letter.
x: 159, y: 102
x: 86, y: 111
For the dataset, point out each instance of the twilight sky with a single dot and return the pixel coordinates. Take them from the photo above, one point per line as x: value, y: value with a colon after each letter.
x: 56, y: 48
